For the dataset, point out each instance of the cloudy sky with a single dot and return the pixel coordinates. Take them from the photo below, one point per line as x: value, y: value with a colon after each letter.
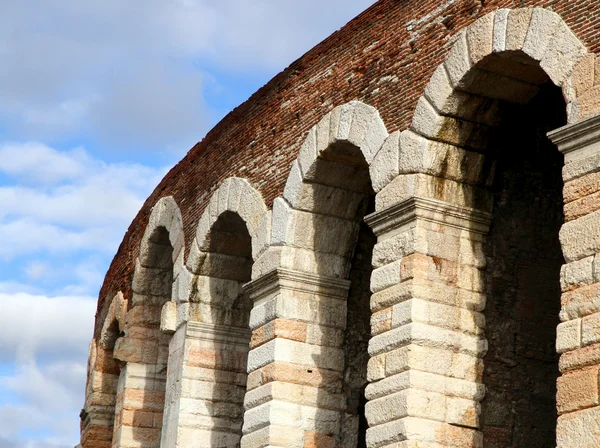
x: 98, y: 99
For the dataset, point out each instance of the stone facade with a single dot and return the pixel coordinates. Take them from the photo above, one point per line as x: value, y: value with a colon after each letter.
x: 382, y: 248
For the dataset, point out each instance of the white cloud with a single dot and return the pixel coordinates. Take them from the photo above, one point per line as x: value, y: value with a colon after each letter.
x: 83, y: 203
x: 131, y: 72
x: 34, y: 324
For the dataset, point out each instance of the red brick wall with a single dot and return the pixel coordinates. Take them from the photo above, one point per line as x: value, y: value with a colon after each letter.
x: 384, y: 57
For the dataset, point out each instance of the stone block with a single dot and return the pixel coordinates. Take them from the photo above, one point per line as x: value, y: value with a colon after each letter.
x: 168, y: 318
x: 385, y: 165
x: 579, y: 429
x: 409, y: 402
x: 517, y: 28
x: 580, y: 302
x: 582, y: 78
x: 286, y: 351
x: 429, y: 336
x: 562, y: 54
x: 577, y: 390
x: 568, y: 336
x: 577, y: 273
x: 542, y: 28
x: 590, y: 329
x: 458, y: 62
x: 500, y: 24
x: 480, y: 38
x: 450, y: 387
x: 579, y: 238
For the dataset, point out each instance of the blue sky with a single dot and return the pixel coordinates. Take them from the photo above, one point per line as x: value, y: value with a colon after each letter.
x: 98, y: 100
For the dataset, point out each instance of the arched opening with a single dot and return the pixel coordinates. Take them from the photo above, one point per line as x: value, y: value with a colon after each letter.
x: 144, y: 349
x: 500, y: 112
x: 524, y: 259
x: 340, y: 185
x: 217, y: 352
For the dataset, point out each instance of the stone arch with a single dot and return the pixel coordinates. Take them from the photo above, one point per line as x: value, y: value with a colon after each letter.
x: 509, y: 70
x: 209, y: 358
x: 144, y: 349
x: 98, y: 414
x: 316, y: 326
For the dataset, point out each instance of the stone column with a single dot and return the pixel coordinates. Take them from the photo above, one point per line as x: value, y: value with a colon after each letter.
x: 578, y: 335
x: 98, y: 414
x: 427, y: 341
x: 139, y: 406
x: 295, y: 365
x: 205, y: 386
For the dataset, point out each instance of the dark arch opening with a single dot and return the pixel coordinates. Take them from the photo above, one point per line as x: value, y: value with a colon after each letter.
x: 220, y: 302
x: 522, y: 278
x: 342, y: 189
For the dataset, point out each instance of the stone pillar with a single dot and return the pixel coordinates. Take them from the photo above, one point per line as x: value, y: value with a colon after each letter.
x: 427, y: 341
x: 295, y: 365
x: 205, y: 386
x: 578, y: 335
x: 139, y: 406
x: 98, y: 414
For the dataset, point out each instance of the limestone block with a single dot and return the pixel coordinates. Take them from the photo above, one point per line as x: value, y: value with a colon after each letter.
x: 429, y: 291
x: 308, y: 151
x: 580, y: 238
x: 540, y: 33
x: 323, y: 335
x: 577, y: 273
x: 425, y: 431
x: 322, y: 139
x: 476, y: 108
x: 582, y: 78
x: 458, y: 62
x: 252, y: 208
x: 404, y: 187
x: 581, y: 167
x: 280, y: 413
x: 500, y: 24
x: 420, y: 155
x: 237, y: 189
x: 322, y: 199
x: 577, y: 390
x: 375, y: 136
x: 461, y: 412
x: 480, y: 37
x: 386, y: 276
x: 517, y: 27
x: 498, y: 87
x: 590, y: 329
x: 439, y: 315
x: 395, y: 248
x: 579, y: 358
x: 334, y: 125
x: 168, y: 318
x: 568, y: 336
x: 450, y: 387
x: 283, y: 350
x: 273, y: 436
x: 410, y: 402
x: 580, y: 302
x: 385, y: 165
x: 580, y: 429
x: 562, y: 54
x: 295, y: 393
x: 261, y: 240
x: 439, y: 88
x: 298, y: 310
x: 434, y: 360
x: 430, y: 336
